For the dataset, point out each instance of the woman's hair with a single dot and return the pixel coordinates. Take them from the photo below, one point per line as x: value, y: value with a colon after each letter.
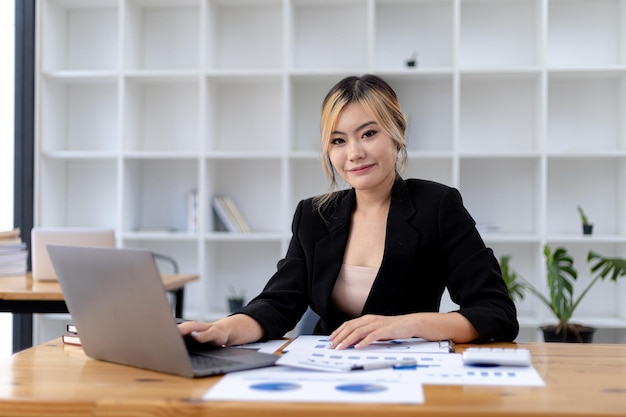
x: 377, y: 98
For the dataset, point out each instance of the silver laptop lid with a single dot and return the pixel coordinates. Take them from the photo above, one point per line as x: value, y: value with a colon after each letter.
x: 119, y: 305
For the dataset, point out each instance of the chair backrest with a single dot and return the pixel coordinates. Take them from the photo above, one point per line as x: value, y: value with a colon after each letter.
x: 167, y: 259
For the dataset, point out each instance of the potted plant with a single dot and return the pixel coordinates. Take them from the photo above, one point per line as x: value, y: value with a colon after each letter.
x: 587, y: 226
x: 560, y: 276
x: 235, y: 299
x: 411, y: 62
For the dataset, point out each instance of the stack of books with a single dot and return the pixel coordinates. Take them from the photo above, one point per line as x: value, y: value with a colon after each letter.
x: 227, y: 215
x: 13, y: 253
x: 70, y: 337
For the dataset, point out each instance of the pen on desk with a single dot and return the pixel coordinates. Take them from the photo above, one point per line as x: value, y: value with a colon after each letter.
x: 384, y: 364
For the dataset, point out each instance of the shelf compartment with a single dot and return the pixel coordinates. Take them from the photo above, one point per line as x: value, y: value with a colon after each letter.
x: 499, y: 34
x: 424, y: 27
x: 162, y: 35
x: 585, y: 33
x: 329, y: 34
x: 78, y: 35
x: 78, y: 115
x: 255, y: 186
x: 161, y: 114
x: 155, y: 194
x: 227, y: 271
x: 502, y: 194
x: 71, y: 191
x: 500, y: 113
x: 595, y: 184
x: 245, y: 114
x: 585, y: 112
x: 427, y: 102
x: 245, y: 35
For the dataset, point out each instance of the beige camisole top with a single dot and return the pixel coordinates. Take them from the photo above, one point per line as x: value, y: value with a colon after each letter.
x: 352, y: 288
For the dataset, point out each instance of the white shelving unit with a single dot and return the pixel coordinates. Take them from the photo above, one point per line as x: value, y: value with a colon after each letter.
x: 520, y: 104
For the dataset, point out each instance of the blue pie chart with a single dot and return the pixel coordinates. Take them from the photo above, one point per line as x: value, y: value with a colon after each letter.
x: 361, y: 388
x: 276, y: 386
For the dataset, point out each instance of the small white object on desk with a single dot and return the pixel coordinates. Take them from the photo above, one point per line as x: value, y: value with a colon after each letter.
x: 485, y: 356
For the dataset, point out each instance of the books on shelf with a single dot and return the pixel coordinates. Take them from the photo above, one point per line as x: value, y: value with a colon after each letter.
x: 13, y: 253
x: 227, y: 216
x: 192, y: 211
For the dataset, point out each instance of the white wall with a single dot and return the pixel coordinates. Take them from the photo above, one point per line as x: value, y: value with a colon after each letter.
x: 7, y: 48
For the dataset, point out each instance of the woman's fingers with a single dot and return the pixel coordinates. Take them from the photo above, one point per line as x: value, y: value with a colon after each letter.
x: 362, y: 331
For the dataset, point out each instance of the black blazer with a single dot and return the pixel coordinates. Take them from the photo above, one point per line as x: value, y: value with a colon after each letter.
x: 431, y: 243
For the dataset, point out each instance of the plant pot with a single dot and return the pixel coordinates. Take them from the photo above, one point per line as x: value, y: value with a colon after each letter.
x: 575, y: 333
x: 235, y: 304
x: 587, y: 229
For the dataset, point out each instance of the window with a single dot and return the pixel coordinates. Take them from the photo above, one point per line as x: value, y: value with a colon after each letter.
x: 7, y: 51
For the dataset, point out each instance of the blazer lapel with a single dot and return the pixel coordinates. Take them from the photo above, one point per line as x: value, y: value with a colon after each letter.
x: 329, y: 250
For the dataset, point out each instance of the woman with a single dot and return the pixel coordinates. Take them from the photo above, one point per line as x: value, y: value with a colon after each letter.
x: 373, y: 261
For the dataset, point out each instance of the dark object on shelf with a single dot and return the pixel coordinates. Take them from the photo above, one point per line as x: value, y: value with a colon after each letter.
x: 587, y: 225
x: 411, y: 62
x: 235, y: 304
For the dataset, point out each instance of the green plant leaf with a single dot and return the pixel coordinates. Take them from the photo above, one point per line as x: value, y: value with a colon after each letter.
x: 583, y: 216
x: 561, y: 277
x: 513, y: 284
x: 615, y: 266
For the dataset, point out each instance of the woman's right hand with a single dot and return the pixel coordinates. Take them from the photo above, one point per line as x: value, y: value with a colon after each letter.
x: 237, y: 329
x: 202, y: 332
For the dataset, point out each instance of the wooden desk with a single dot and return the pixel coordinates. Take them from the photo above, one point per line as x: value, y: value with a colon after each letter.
x: 23, y: 296
x: 57, y: 380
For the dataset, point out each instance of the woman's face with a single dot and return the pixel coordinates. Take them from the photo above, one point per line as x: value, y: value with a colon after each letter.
x: 361, y: 152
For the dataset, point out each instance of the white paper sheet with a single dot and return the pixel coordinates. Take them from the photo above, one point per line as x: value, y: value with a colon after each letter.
x: 280, y: 383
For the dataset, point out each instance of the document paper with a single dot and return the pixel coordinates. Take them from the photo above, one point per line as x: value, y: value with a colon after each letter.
x: 282, y: 383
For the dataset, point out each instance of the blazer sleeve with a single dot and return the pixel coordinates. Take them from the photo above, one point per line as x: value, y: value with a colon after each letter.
x: 474, y: 277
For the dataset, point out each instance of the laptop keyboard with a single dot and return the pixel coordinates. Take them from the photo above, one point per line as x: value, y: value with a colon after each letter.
x: 205, y: 361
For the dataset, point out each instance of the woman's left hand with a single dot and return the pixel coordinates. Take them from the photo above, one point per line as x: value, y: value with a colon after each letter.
x: 362, y: 331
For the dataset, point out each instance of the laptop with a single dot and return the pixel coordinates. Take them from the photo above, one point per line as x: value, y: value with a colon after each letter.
x: 118, y: 303
x: 74, y: 236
